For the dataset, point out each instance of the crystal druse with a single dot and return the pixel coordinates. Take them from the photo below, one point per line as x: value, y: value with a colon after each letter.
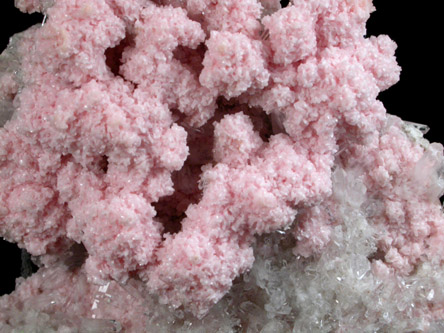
x: 214, y: 166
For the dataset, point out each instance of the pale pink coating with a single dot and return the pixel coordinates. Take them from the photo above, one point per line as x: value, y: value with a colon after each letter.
x: 152, y: 66
x: 235, y: 140
x: 292, y: 34
x: 128, y: 11
x: 410, y: 223
x: 229, y: 115
x: 248, y: 196
x: 68, y: 48
x: 313, y: 231
x: 29, y: 211
x: 128, y: 234
x: 339, y: 23
x: 377, y: 56
x: 235, y: 16
x: 199, y: 268
x: 28, y: 6
x: 233, y: 64
x: 270, y: 6
x: 80, y: 137
x: 8, y: 86
x: 229, y: 15
x: 77, y: 297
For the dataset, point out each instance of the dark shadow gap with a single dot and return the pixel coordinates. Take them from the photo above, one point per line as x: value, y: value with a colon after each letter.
x: 15, y: 263
x: 113, y: 55
x: 378, y: 255
x: 13, y: 21
x: 265, y: 124
x: 191, y: 58
x: 75, y: 257
x: 285, y: 3
x: 28, y: 266
x: 171, y: 209
x: 103, y: 164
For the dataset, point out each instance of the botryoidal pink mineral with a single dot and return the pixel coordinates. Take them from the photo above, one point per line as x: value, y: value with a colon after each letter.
x: 214, y: 166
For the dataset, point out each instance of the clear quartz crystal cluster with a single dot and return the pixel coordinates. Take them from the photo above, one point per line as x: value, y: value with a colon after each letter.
x: 214, y: 166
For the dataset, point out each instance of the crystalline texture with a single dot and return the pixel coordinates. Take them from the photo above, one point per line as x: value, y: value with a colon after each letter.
x: 204, y: 166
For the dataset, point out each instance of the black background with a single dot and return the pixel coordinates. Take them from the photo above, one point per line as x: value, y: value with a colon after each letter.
x: 417, y: 97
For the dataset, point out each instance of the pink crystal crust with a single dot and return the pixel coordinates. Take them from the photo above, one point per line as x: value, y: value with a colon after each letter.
x: 155, y: 149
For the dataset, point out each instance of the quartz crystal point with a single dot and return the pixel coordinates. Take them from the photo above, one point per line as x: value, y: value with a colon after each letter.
x: 214, y: 166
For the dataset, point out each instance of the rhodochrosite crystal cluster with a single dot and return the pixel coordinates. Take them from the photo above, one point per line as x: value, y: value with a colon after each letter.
x: 214, y: 166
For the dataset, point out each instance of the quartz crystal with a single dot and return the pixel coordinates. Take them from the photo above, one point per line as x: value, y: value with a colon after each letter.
x: 215, y: 166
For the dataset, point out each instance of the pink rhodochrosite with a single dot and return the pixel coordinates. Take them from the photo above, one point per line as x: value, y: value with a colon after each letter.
x: 217, y: 166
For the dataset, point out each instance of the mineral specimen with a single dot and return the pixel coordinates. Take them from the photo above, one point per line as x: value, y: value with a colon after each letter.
x: 214, y: 166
